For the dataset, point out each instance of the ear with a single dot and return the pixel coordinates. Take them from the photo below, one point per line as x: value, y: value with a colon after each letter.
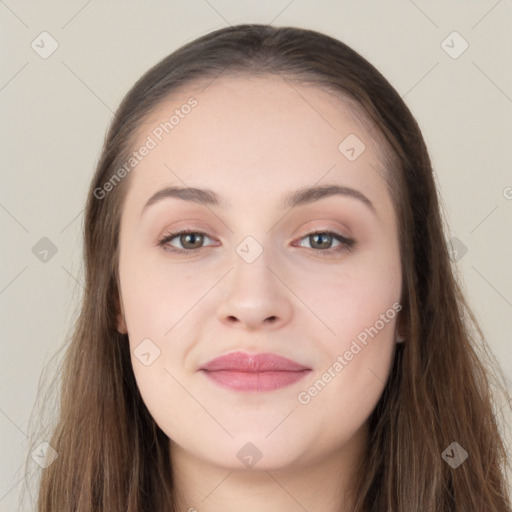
x: 121, y: 322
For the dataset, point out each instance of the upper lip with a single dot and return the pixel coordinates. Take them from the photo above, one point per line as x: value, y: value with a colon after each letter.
x: 244, y: 362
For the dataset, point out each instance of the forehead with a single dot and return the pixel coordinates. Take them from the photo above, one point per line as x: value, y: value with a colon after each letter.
x: 256, y: 135
x: 258, y: 104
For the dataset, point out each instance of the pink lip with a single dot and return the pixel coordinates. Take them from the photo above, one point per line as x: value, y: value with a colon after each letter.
x: 254, y: 372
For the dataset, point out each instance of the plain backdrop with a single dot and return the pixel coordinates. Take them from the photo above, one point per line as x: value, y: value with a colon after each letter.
x: 56, y: 109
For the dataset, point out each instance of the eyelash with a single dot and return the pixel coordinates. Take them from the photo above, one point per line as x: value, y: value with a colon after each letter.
x: 347, y: 244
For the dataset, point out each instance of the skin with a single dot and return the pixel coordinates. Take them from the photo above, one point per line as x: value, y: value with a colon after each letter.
x: 253, y: 141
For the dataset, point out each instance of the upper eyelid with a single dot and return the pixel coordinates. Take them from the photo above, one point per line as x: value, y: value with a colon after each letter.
x: 174, y: 234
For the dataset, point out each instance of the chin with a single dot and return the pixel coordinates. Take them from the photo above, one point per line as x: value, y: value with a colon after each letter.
x: 253, y: 451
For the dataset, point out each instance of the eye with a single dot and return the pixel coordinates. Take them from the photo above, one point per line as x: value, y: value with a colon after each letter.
x: 322, y: 240
x: 189, y: 240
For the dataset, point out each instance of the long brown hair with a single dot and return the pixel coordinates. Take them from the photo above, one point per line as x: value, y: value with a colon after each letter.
x: 112, y: 456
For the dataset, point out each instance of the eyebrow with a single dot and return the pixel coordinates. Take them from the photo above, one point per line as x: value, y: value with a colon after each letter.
x: 299, y: 197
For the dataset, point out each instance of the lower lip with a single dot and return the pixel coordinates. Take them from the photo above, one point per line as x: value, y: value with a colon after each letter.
x: 255, y: 381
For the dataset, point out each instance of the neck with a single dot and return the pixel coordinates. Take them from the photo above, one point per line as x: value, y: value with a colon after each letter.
x: 323, y: 485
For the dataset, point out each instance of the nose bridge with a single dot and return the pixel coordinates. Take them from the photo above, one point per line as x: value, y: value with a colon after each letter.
x: 253, y: 248
x: 252, y: 264
x: 254, y: 294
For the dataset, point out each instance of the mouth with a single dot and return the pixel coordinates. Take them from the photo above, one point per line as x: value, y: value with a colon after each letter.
x: 244, y: 372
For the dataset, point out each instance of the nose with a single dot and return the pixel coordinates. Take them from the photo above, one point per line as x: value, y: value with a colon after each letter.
x: 255, y: 296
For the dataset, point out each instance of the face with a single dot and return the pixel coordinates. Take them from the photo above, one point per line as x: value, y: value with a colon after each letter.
x: 314, y: 278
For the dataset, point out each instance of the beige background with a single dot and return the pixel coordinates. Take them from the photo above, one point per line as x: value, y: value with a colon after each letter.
x: 55, y: 112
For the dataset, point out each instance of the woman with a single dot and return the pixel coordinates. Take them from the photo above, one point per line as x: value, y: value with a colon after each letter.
x: 270, y: 318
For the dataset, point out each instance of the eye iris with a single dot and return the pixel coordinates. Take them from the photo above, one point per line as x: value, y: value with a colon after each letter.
x: 324, y: 245
x: 194, y: 237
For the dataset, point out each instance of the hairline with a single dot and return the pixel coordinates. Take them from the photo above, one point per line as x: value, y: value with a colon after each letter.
x: 355, y: 109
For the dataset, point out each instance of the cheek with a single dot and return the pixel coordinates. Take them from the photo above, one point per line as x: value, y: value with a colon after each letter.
x: 345, y: 395
x: 351, y: 296
x: 358, y: 358
x: 161, y: 393
x: 360, y: 305
x: 156, y: 294
x: 156, y: 300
